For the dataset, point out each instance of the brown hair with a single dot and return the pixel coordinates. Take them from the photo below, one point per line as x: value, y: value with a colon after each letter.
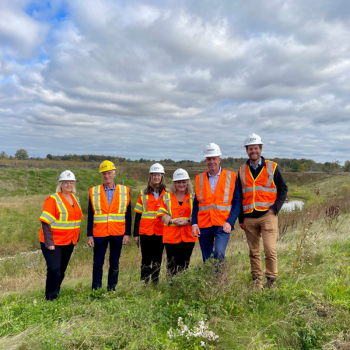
x: 150, y: 189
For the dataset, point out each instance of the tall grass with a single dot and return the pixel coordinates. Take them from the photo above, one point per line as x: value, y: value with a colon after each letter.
x: 309, y: 310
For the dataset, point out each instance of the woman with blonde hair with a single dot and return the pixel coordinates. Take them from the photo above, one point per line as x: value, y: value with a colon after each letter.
x: 148, y: 226
x: 176, y: 212
x: 60, y: 220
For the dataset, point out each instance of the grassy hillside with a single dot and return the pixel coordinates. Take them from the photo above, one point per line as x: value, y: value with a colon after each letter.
x: 309, y: 310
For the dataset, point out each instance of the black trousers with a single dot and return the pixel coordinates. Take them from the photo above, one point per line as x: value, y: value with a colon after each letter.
x: 115, y: 248
x: 57, y: 261
x: 178, y: 256
x: 152, y: 251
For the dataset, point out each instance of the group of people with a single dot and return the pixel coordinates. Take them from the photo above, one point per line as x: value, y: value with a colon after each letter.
x: 174, y: 218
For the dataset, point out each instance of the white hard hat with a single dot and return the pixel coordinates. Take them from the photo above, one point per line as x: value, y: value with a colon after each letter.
x: 180, y: 174
x: 157, y: 168
x: 212, y: 150
x: 66, y: 175
x: 253, y: 139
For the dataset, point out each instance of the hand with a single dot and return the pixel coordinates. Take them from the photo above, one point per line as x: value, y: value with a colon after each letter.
x: 196, y: 231
x: 136, y: 240
x: 180, y: 222
x: 126, y: 240
x: 242, y: 225
x: 227, y: 227
x: 271, y: 211
x: 90, y: 242
x: 51, y: 247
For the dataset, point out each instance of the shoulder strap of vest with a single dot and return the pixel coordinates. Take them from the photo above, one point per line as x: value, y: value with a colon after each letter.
x: 243, y: 170
x: 271, y: 167
x: 96, y: 199
x: 201, y: 186
x: 167, y: 201
x: 144, y: 199
x: 61, y: 207
x: 77, y: 200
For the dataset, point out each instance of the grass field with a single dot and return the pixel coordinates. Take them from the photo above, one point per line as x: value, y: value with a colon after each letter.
x: 309, y: 310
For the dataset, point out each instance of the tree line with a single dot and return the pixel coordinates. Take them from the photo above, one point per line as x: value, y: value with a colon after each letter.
x: 285, y: 164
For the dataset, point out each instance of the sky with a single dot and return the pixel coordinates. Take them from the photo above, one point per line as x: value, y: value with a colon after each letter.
x: 161, y: 79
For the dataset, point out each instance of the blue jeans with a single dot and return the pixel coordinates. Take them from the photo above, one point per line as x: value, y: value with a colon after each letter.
x: 115, y: 247
x: 213, y: 237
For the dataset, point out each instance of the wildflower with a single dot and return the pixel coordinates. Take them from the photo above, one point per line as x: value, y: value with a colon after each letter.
x: 202, y: 343
x: 310, y: 264
x: 48, y: 340
x: 69, y: 333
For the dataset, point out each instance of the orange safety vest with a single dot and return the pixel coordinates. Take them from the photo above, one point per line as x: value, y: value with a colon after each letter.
x: 109, y: 220
x: 170, y: 206
x: 63, y: 218
x: 259, y: 194
x: 214, y: 209
x: 148, y: 206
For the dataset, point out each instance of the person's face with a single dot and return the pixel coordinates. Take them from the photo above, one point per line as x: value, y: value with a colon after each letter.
x: 254, y: 152
x: 213, y: 164
x: 156, y: 178
x: 67, y: 186
x: 108, y: 176
x: 181, y: 185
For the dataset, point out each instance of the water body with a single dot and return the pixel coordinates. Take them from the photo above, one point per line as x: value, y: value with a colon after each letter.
x: 292, y: 205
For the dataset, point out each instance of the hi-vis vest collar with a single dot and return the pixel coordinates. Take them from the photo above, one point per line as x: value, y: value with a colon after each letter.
x: 226, y: 194
x: 62, y: 223
x: 269, y: 166
x: 99, y: 217
x: 167, y: 201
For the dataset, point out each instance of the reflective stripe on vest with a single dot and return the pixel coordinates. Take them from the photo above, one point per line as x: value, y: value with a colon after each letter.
x: 66, y: 225
x: 144, y: 200
x: 216, y: 207
x: 61, y: 208
x: 47, y: 216
x: 227, y: 189
x: 201, y: 179
x: 257, y: 204
x: 96, y: 200
x: 122, y: 200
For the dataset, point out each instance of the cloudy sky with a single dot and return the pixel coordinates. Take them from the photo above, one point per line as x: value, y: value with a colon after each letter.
x: 160, y: 79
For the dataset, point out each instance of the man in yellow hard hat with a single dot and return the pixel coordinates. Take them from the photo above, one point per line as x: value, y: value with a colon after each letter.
x: 109, y: 221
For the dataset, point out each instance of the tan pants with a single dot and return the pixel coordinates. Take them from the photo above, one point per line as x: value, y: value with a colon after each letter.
x: 266, y: 227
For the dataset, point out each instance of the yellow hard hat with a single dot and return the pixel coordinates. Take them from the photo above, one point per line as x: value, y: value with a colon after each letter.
x: 107, y: 166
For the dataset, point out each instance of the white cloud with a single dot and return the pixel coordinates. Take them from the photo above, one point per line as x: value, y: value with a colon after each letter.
x: 161, y: 79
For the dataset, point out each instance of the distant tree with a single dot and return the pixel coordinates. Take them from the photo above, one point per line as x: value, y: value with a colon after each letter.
x: 21, y: 154
x: 347, y: 166
x: 3, y: 155
x: 49, y: 156
x: 330, y: 167
x: 294, y: 167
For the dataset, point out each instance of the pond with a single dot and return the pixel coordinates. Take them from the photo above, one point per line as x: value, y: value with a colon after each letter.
x: 292, y: 205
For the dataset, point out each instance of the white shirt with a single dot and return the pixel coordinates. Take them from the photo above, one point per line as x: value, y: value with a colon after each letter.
x: 213, y: 180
